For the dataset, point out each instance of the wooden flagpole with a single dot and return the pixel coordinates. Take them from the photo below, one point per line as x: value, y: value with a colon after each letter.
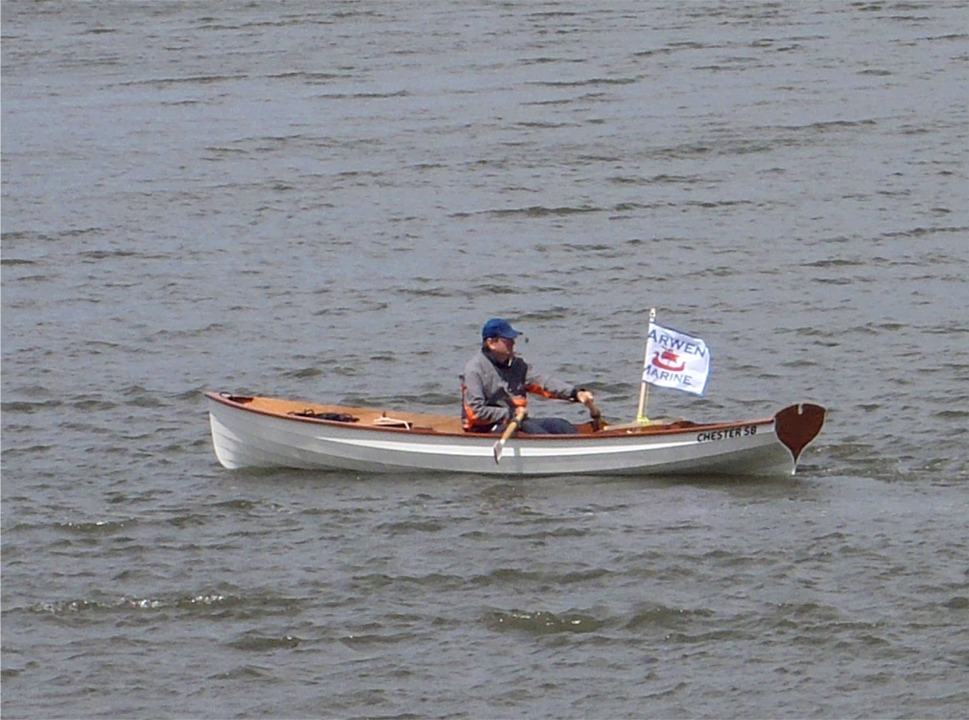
x: 644, y: 386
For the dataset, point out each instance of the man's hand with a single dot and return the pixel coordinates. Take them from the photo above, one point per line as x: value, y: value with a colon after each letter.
x: 520, y: 405
x: 585, y: 397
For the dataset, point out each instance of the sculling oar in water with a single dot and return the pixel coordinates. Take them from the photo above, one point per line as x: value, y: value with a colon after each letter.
x: 499, y: 446
x: 509, y: 431
x: 596, y: 416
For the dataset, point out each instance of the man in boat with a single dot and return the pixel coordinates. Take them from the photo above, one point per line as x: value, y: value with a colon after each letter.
x: 495, y: 383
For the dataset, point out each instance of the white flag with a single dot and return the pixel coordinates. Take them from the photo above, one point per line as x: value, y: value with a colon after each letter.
x: 676, y: 360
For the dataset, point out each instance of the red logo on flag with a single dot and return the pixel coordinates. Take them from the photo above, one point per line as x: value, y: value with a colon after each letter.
x: 667, y: 361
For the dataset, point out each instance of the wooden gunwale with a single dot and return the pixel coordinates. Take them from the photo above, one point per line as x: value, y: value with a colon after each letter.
x: 430, y: 425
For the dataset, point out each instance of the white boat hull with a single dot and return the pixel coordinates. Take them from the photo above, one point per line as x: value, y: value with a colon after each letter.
x: 262, y: 433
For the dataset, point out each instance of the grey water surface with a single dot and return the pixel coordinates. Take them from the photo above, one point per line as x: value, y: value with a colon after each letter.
x: 325, y: 201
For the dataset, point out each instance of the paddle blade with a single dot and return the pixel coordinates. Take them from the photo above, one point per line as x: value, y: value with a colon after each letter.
x: 500, y: 445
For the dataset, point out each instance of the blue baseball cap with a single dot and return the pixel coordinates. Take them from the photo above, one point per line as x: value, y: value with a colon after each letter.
x: 498, y: 327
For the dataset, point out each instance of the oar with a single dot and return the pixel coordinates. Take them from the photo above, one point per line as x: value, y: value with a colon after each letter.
x: 509, y: 431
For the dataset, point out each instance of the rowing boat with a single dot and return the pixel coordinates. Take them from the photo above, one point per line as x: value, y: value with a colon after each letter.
x: 264, y: 432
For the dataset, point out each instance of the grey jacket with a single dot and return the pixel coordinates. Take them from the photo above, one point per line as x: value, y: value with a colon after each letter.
x: 488, y: 386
